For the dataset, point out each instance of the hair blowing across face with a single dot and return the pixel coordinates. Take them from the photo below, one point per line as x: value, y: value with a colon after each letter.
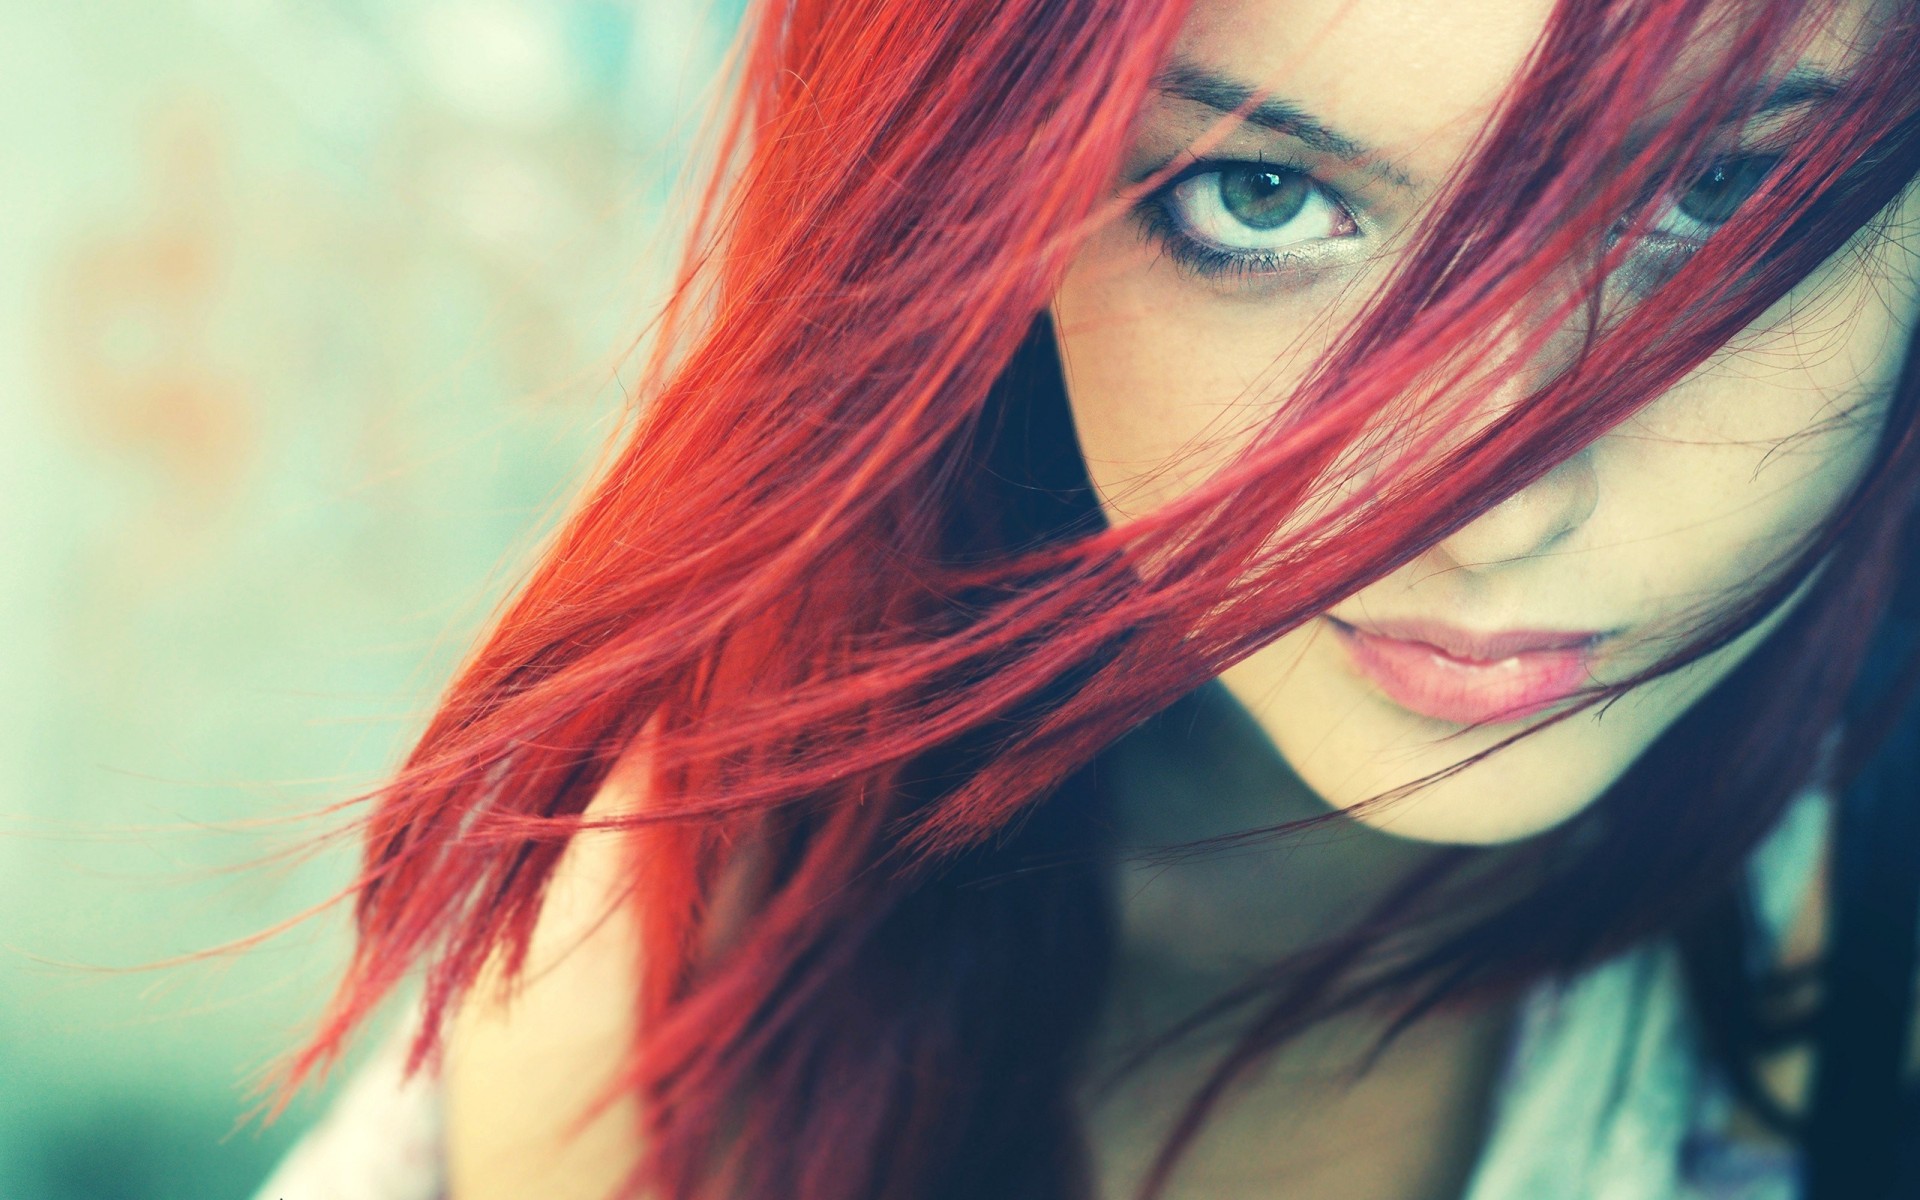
x: 842, y: 582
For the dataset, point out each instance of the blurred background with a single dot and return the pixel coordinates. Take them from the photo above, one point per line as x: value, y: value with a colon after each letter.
x: 311, y: 314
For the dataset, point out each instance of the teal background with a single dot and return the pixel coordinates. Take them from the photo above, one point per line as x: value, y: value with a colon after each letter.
x: 312, y: 314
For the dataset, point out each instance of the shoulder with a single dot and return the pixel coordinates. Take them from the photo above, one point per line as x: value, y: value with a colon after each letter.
x: 523, y: 1067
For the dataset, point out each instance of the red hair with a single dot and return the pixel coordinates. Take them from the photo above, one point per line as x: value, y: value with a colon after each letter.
x: 845, y: 583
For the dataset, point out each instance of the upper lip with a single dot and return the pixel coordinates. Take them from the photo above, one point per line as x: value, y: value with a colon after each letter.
x: 1476, y: 645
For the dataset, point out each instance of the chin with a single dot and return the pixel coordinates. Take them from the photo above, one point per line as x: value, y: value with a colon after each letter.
x: 1489, y: 804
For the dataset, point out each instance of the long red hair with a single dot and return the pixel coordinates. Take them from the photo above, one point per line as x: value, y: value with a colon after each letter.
x: 845, y: 582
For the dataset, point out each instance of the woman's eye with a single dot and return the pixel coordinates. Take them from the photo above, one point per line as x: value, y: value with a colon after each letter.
x: 1685, y: 219
x: 1253, y: 211
x: 1713, y: 197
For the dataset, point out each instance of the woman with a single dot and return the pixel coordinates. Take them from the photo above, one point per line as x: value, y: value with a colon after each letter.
x: 1245, y: 598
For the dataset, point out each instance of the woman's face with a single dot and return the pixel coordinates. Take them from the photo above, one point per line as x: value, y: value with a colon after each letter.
x: 1196, y: 315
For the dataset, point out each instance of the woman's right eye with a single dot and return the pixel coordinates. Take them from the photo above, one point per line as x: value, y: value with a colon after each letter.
x: 1246, y: 217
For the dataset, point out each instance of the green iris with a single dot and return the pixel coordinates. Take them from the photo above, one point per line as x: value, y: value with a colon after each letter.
x: 1264, y: 199
x: 1725, y: 187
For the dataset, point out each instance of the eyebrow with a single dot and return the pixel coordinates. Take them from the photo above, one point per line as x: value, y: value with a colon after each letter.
x: 1802, y: 85
x: 1183, y: 79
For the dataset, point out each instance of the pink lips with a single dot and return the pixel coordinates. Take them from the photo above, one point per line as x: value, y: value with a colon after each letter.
x: 1467, y: 678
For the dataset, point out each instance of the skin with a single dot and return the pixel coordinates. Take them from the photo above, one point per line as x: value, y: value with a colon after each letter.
x: 1695, y: 496
x: 1701, y: 492
x: 1703, y: 489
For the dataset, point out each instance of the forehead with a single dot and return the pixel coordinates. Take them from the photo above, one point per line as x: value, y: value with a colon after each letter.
x: 1414, y: 79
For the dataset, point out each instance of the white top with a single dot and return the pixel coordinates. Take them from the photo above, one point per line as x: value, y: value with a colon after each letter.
x: 1604, y: 1095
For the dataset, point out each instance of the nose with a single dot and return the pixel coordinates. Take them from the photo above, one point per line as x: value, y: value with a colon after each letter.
x: 1539, y: 517
x: 1531, y: 521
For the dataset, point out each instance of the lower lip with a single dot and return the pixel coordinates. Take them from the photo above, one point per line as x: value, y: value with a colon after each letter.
x: 1425, y: 680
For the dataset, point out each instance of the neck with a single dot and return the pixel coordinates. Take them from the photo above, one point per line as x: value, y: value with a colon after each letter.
x: 1192, y: 924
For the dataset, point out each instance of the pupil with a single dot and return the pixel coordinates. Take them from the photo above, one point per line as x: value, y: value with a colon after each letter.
x: 1725, y: 187
x: 1263, y: 199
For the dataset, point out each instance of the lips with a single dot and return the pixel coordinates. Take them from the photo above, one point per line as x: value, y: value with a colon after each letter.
x: 1466, y: 677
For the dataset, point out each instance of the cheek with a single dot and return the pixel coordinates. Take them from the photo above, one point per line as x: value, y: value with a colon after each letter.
x: 1165, y: 381
x: 1728, y: 472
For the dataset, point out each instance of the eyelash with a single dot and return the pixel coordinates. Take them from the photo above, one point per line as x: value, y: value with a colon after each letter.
x: 1671, y: 250
x: 1161, y: 224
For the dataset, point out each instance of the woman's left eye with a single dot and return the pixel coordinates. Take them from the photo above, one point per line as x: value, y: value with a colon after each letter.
x: 1248, y: 217
x: 1712, y: 197
x: 1683, y: 220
